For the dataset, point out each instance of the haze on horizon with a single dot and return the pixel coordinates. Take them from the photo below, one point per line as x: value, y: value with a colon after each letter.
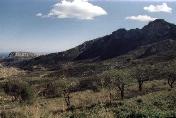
x: 57, y: 25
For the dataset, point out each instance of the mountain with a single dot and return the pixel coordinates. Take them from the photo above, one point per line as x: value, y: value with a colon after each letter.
x: 119, y: 43
x: 122, y: 41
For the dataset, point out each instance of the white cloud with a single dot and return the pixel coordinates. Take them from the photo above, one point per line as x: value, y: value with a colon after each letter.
x: 39, y: 14
x: 159, y: 8
x: 142, y: 18
x: 80, y: 9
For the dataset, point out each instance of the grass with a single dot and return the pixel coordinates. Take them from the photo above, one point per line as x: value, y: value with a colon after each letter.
x: 9, y: 72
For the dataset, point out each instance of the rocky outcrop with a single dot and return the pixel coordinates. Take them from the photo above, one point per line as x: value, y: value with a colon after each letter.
x: 22, y: 55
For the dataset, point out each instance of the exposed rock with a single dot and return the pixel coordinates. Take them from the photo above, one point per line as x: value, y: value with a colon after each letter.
x: 22, y: 55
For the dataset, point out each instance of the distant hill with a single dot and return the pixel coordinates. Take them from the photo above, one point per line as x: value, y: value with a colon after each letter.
x: 15, y: 58
x: 22, y: 55
x: 153, y: 37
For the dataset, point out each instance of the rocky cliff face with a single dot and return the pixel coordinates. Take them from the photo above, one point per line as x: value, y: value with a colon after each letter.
x: 22, y: 55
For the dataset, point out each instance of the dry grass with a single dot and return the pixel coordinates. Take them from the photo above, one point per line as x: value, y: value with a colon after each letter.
x: 9, y: 72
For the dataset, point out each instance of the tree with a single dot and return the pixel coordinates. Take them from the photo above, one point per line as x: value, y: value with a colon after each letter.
x: 142, y: 73
x: 66, y: 88
x: 171, y: 80
x: 117, y: 79
x: 170, y: 73
x: 122, y: 77
x: 108, y: 82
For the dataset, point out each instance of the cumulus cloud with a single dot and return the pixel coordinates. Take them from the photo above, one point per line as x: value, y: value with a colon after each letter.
x: 141, y: 18
x: 159, y: 8
x: 80, y: 9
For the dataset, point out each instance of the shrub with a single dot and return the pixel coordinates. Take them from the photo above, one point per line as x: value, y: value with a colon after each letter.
x: 157, y: 103
x: 139, y: 100
x: 20, y: 90
x: 120, y: 103
x: 89, y: 84
x: 52, y: 90
x: 79, y: 115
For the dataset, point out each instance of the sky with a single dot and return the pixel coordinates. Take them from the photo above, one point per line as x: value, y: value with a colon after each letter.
x: 58, y: 25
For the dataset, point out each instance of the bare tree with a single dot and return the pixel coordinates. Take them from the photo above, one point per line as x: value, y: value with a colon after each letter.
x: 171, y: 81
x: 121, y: 87
x: 169, y: 72
x: 66, y: 88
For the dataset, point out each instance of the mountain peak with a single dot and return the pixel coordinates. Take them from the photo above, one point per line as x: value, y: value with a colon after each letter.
x: 158, y: 24
x: 159, y: 21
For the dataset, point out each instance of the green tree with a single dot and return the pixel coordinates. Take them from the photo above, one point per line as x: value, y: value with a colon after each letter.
x: 142, y: 73
x: 117, y: 79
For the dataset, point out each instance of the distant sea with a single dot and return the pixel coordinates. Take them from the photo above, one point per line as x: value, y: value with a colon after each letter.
x: 3, y: 55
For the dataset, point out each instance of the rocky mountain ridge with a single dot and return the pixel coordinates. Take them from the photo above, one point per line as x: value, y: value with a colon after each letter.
x: 120, y: 42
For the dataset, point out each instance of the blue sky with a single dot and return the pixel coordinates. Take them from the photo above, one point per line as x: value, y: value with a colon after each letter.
x: 52, y: 26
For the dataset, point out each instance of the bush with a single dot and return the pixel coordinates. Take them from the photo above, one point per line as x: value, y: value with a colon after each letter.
x: 79, y: 115
x: 89, y: 84
x: 137, y: 115
x: 20, y: 90
x: 52, y: 90
x: 139, y: 100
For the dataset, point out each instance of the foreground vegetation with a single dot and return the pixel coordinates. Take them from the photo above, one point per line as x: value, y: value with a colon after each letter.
x: 154, y: 101
x: 143, y: 90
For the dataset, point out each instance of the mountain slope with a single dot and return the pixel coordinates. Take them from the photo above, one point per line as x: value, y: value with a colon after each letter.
x: 122, y: 41
x: 118, y: 43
